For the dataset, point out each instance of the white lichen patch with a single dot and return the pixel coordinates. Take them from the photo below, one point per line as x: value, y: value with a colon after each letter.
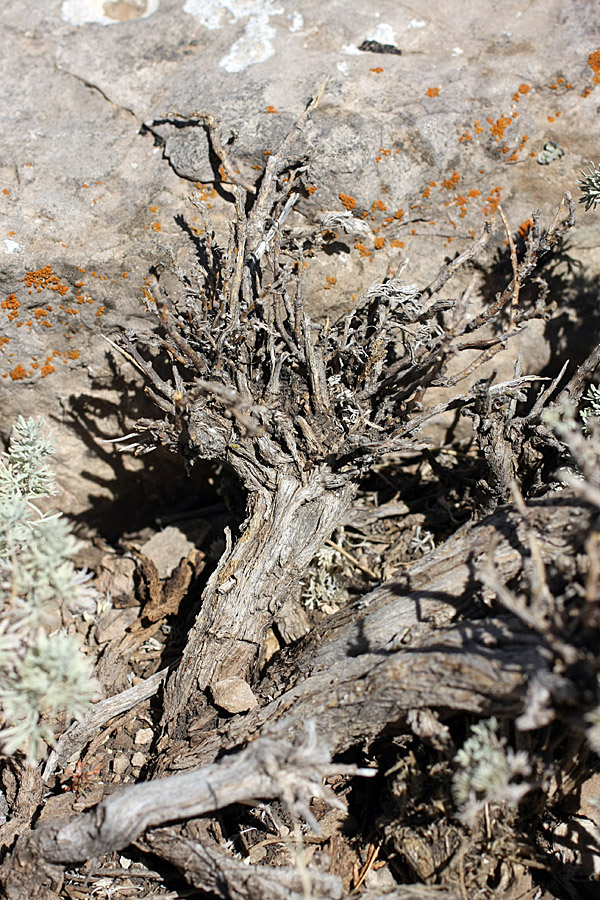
x: 254, y: 46
x: 383, y: 34
x: 296, y: 21
x: 106, y: 12
x: 256, y: 43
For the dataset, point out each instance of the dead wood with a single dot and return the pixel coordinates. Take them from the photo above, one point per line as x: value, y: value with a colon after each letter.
x: 405, y: 647
x: 216, y: 872
x: 299, y: 412
x: 268, y: 768
x: 419, y: 643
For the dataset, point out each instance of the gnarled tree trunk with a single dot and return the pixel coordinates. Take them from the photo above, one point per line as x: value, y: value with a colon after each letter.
x: 286, y: 527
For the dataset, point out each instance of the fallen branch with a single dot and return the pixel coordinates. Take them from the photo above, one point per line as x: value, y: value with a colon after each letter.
x: 269, y: 768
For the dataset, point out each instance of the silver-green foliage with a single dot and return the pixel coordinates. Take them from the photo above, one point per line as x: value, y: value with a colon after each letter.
x: 486, y: 769
x: 328, y: 576
x: 593, y: 410
x: 42, y: 675
x: 589, y: 184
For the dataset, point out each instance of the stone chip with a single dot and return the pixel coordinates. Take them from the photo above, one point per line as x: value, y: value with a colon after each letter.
x: 234, y: 695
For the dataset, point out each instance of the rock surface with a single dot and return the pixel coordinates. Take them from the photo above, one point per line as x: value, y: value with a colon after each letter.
x: 426, y: 125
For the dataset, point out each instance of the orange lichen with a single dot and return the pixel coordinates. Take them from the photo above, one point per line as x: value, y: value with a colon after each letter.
x: 5, y: 191
x: 156, y: 226
x: 377, y: 70
x: 477, y: 128
x: 465, y: 137
x: 12, y: 306
x: 399, y: 214
x: 363, y: 250
x: 499, y: 126
x: 397, y: 243
x: 433, y: 92
x: 379, y: 243
x: 492, y: 201
x: 462, y: 203
x: 525, y: 226
x: 524, y: 88
x: 271, y: 109
x: 208, y: 192
x: 47, y: 368
x: 347, y: 201
x: 18, y: 373
x: 594, y: 63
x: 311, y: 188
x: 44, y: 279
x: 379, y: 204
x: 450, y: 183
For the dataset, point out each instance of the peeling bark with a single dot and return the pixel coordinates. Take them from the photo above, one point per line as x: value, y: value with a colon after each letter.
x: 283, y: 533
